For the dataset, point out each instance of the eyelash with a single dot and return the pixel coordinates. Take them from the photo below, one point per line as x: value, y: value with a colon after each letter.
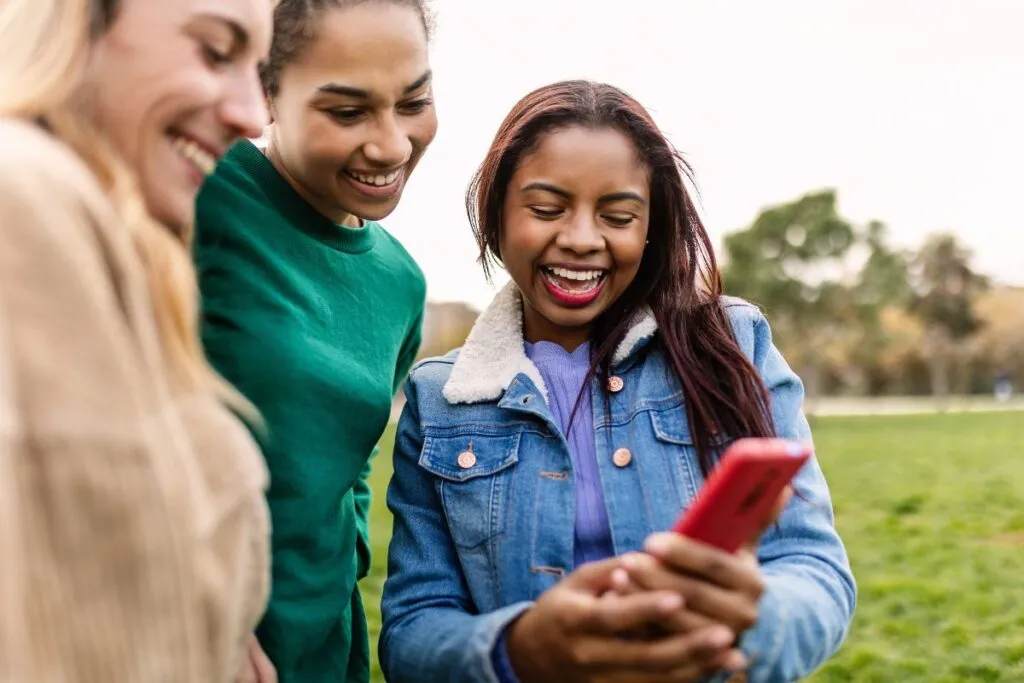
x: 352, y: 115
x: 417, y: 106
x: 545, y: 214
x: 551, y: 214
x: 620, y: 221
x: 215, y: 58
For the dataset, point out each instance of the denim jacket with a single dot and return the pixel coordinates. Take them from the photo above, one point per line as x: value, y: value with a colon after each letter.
x: 482, y: 497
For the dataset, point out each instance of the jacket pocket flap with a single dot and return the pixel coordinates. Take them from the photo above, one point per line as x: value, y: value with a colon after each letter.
x: 461, y: 457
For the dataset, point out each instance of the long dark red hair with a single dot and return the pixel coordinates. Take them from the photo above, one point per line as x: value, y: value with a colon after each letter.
x: 678, y: 280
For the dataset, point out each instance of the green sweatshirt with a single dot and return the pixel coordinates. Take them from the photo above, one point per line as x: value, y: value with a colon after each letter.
x: 317, y: 325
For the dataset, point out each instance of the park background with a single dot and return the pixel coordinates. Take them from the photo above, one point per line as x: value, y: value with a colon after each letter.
x: 859, y: 168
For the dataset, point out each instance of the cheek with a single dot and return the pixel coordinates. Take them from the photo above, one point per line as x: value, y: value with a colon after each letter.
x: 325, y: 144
x: 628, y: 251
x: 422, y: 129
x: 522, y: 244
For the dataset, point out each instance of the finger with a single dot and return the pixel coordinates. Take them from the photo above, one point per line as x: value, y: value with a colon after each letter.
x: 730, y: 660
x: 684, y: 621
x: 265, y: 670
x: 611, y: 616
x: 672, y: 653
x: 735, y: 609
x: 683, y: 555
x: 679, y: 621
x: 594, y: 577
x: 247, y: 672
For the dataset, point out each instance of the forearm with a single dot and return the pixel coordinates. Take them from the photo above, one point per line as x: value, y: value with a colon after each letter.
x: 804, y: 616
x: 445, y: 645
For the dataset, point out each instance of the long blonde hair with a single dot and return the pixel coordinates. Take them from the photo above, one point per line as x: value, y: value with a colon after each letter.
x: 45, y: 47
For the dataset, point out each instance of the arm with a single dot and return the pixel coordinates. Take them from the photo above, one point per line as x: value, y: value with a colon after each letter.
x: 361, y: 490
x: 431, y: 632
x: 810, y: 594
x: 84, y: 544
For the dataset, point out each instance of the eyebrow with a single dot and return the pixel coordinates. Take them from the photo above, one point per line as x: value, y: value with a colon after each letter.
x: 238, y: 34
x: 361, y: 94
x: 605, y: 198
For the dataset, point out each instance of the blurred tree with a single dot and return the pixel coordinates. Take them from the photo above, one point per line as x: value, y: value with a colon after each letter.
x: 944, y: 288
x: 999, y: 341
x: 882, y: 285
x: 445, y: 327
x: 793, y: 260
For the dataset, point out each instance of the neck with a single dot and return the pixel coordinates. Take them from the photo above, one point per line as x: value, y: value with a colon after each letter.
x: 537, y: 329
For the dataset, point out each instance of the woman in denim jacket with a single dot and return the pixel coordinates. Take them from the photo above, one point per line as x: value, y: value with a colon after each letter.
x: 535, y: 467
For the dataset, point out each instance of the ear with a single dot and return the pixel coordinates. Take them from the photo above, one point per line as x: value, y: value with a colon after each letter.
x: 270, y: 107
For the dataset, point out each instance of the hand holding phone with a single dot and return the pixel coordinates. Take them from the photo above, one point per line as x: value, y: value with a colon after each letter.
x: 737, y: 498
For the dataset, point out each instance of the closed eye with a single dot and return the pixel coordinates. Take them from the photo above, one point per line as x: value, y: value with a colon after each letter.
x: 215, y: 58
x: 546, y: 212
x: 347, y: 115
x: 620, y: 220
x: 416, y: 106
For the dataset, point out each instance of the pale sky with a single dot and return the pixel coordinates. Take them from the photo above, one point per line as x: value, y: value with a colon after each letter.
x: 912, y: 109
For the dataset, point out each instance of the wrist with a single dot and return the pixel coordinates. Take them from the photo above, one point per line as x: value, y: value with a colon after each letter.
x: 518, y: 641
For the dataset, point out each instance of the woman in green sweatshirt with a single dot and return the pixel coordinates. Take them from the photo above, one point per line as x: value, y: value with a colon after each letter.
x: 312, y: 309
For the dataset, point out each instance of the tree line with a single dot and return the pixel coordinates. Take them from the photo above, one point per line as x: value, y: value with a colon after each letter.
x: 855, y: 315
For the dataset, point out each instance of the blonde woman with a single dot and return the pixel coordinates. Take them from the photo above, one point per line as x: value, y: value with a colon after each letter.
x: 133, y: 541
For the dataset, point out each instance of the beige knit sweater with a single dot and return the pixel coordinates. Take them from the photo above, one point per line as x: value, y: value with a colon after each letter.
x: 133, y: 530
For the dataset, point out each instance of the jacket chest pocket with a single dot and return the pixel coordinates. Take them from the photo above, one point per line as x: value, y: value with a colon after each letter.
x: 475, y: 480
x: 672, y: 429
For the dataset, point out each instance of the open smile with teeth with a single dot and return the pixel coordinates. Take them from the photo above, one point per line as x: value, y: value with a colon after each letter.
x: 375, y: 180
x: 574, y: 281
x: 203, y: 161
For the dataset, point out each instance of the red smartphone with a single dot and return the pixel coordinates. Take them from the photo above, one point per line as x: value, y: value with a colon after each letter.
x: 739, y: 494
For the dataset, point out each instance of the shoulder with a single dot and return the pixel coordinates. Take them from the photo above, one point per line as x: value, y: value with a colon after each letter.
x: 399, y: 260
x: 749, y: 325
x: 232, y: 174
x: 50, y: 201
x: 35, y: 164
x: 425, y: 387
x: 434, y: 370
x: 230, y: 194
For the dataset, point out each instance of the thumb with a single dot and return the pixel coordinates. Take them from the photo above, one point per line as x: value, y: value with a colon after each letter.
x: 773, y: 516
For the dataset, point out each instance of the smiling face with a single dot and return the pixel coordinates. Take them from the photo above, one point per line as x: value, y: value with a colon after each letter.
x: 573, y: 230
x: 172, y: 85
x: 354, y: 113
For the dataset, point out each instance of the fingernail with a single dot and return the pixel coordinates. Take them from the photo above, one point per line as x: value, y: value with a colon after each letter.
x: 735, y: 661
x: 629, y: 561
x: 671, y: 603
x: 656, y: 545
x: 720, y: 637
x: 620, y: 577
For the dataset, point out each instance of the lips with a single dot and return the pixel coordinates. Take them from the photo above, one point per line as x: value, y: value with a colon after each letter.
x: 574, y: 287
x: 378, y: 185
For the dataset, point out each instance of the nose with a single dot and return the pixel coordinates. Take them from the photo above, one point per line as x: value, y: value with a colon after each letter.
x: 581, y: 235
x: 389, y: 145
x: 244, y: 107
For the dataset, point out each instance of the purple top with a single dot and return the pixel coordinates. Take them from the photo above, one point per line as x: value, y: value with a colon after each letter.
x: 564, y: 374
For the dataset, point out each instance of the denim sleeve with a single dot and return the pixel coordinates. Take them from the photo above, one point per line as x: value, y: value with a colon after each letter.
x: 502, y: 664
x: 810, y: 594
x: 431, y: 631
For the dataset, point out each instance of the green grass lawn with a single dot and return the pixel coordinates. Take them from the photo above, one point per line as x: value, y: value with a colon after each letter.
x: 931, y: 508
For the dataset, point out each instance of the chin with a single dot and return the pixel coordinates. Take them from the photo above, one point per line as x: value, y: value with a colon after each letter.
x: 571, y: 319
x: 376, y: 212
